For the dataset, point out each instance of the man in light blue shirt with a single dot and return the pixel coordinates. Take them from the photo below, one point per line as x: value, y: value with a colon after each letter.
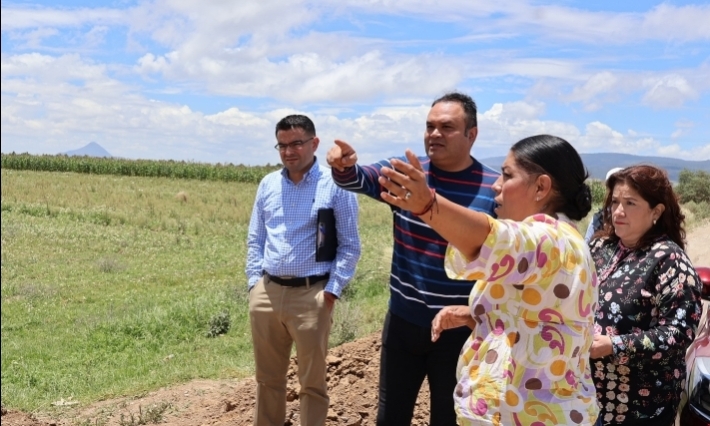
x: 293, y: 277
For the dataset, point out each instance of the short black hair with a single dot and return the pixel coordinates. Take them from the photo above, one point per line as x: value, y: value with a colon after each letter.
x: 466, y: 102
x: 557, y: 158
x: 296, y: 121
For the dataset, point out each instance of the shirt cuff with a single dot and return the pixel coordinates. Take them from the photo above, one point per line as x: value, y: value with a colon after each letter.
x: 252, y: 281
x: 617, y: 346
x: 334, y: 288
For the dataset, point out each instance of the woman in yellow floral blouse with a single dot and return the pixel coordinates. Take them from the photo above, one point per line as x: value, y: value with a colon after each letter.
x: 649, y: 300
x: 532, y: 309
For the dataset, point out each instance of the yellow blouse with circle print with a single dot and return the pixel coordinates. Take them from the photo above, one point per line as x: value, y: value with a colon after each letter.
x: 527, y: 360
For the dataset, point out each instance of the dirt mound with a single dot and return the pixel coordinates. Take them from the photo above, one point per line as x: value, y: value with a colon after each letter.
x: 353, y: 371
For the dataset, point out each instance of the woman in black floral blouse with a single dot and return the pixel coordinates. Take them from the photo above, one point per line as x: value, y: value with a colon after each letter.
x: 649, y: 300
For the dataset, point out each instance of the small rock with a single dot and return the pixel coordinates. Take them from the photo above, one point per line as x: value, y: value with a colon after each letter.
x: 333, y: 360
x: 332, y: 415
x: 291, y: 395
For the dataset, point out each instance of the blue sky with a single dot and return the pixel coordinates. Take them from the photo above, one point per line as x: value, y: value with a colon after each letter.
x: 206, y: 81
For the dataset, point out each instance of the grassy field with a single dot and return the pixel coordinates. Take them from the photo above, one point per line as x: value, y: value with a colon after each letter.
x: 111, y: 285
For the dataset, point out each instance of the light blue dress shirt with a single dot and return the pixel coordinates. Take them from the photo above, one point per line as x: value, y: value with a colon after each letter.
x: 283, y: 227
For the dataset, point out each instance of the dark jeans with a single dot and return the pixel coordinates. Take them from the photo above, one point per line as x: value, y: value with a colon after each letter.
x: 408, y: 355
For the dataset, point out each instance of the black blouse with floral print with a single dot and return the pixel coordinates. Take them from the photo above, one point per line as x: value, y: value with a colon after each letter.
x: 649, y: 304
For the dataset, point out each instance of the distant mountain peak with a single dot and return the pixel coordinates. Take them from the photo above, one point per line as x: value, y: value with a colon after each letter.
x: 92, y: 149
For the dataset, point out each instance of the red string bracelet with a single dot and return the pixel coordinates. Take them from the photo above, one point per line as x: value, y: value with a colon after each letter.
x: 429, y: 205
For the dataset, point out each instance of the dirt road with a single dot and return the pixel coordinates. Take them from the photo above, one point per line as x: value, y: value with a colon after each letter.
x: 699, y: 245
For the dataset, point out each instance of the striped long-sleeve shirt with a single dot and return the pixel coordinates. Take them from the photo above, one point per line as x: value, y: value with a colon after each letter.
x: 419, y: 287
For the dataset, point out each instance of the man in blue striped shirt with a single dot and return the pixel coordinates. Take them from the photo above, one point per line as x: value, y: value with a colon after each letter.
x: 419, y: 286
x: 292, y: 289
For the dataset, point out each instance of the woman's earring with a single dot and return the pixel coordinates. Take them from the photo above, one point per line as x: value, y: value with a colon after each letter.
x: 537, y: 198
x: 654, y: 221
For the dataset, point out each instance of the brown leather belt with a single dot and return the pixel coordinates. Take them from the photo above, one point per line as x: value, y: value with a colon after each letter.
x: 297, y: 281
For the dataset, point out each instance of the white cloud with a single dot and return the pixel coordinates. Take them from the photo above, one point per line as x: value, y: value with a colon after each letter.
x: 310, y: 77
x: 33, y: 39
x: 23, y: 17
x: 95, y: 37
x: 664, y: 22
x: 658, y: 90
x: 598, y: 84
x: 504, y: 124
x: 130, y: 125
x: 600, y: 136
x: 680, y: 24
x: 668, y: 91
x: 676, y: 150
x: 31, y: 66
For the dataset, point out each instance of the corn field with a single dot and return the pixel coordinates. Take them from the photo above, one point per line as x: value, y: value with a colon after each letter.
x: 167, y: 168
x: 147, y: 168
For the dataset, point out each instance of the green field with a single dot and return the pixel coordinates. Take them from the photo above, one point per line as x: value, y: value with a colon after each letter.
x: 110, y: 284
x: 113, y: 285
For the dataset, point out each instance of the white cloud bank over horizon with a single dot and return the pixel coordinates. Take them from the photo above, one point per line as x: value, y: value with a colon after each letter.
x: 206, y: 81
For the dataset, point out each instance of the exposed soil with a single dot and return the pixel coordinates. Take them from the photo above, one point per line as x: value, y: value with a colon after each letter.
x: 352, y: 381
x: 353, y: 371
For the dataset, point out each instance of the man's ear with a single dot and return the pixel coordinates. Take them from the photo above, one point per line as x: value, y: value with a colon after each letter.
x: 472, y: 134
x: 316, y: 141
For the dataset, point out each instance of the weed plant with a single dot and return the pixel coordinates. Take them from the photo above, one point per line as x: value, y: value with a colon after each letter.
x: 219, y: 324
x: 152, y: 415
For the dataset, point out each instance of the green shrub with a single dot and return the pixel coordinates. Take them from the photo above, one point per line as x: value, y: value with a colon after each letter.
x: 598, y: 191
x: 219, y: 324
x: 693, y: 186
x: 698, y: 211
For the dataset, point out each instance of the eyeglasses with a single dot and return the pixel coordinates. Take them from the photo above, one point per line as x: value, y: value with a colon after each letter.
x: 293, y: 145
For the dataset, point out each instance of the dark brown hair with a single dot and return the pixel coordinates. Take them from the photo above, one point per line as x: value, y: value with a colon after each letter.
x: 296, y: 121
x: 467, y: 104
x: 653, y: 185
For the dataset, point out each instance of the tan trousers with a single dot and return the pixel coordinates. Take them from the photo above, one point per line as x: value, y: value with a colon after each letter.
x: 279, y: 317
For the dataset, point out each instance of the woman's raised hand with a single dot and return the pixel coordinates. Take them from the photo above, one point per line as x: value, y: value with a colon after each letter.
x: 406, y: 184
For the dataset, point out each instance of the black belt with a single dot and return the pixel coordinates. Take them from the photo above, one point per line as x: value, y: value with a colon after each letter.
x: 298, y: 281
